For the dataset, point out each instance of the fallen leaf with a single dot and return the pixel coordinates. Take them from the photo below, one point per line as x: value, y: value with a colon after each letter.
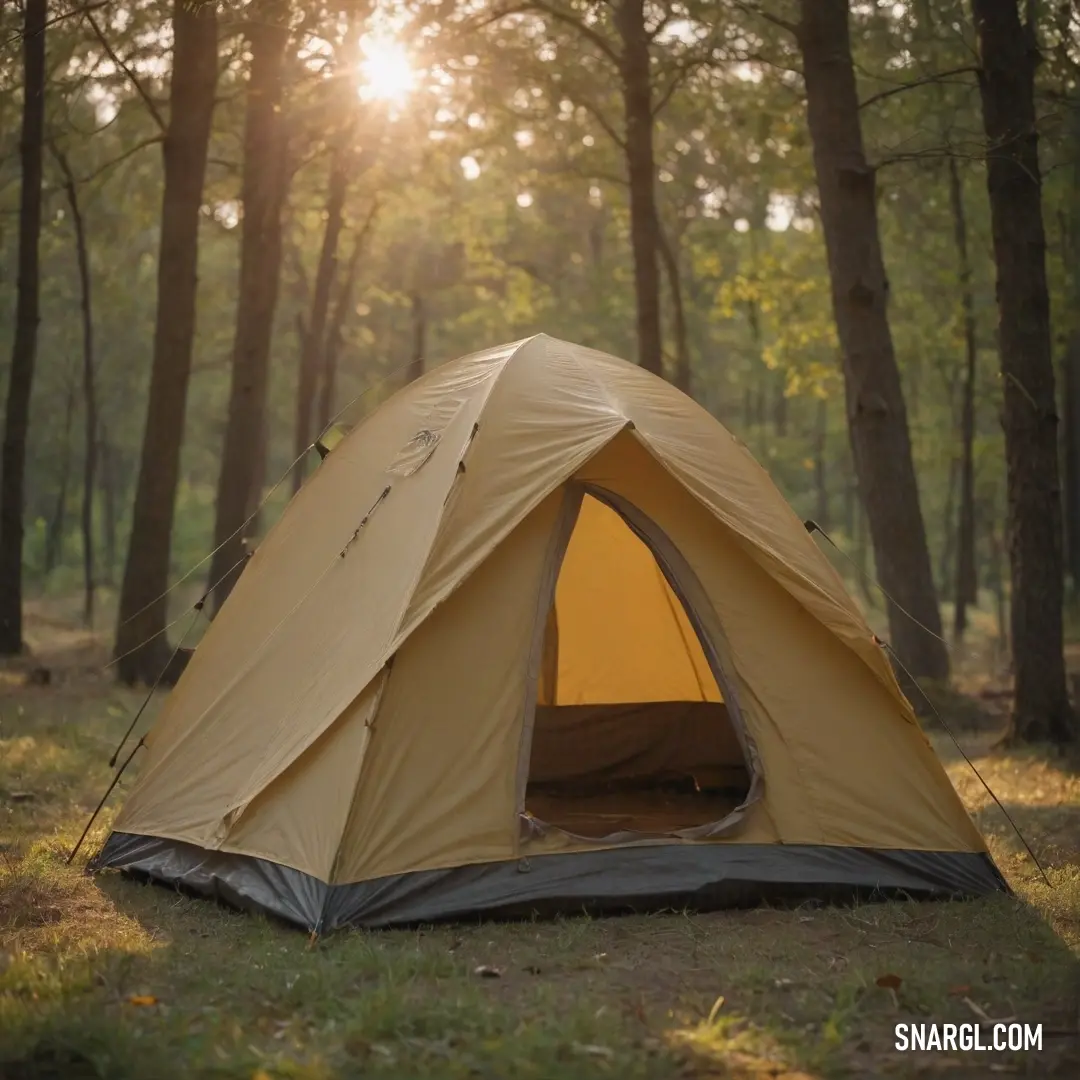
x: 959, y: 991
x: 889, y: 981
x: 261, y: 1074
x: 142, y: 999
x: 487, y: 972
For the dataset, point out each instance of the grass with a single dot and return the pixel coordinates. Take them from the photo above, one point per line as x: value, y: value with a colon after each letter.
x: 106, y: 978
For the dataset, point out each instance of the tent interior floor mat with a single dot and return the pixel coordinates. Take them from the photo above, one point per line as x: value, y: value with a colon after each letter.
x: 656, y: 813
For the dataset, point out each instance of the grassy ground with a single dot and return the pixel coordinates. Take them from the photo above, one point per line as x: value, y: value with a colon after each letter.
x: 107, y: 978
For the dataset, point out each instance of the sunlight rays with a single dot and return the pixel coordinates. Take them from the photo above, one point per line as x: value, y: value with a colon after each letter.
x: 386, y: 71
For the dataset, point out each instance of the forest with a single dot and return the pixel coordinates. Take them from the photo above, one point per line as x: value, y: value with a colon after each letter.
x: 232, y: 230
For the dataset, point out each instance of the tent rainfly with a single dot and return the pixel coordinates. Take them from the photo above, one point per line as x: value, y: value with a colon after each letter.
x: 540, y: 635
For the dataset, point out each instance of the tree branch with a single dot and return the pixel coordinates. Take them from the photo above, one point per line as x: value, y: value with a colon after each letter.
x: 18, y: 35
x: 564, y: 17
x: 968, y: 69
x: 761, y: 13
x: 697, y: 55
x: 130, y: 152
x: 148, y: 101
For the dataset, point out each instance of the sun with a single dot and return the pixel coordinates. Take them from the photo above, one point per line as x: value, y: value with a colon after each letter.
x: 386, y: 73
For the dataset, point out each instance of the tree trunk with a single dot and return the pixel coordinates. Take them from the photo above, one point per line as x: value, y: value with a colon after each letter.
x: 54, y: 535
x: 90, y: 421
x: 332, y: 347
x: 1009, y: 54
x: 27, y: 317
x: 107, y: 474
x: 419, y: 336
x: 948, y: 546
x: 1071, y: 451
x: 314, y: 335
x: 143, y: 599
x: 876, y: 413
x: 997, y: 585
x: 780, y: 405
x: 636, y: 85
x: 1070, y: 365
x: 263, y: 198
x: 862, y: 553
x: 821, y: 479
x: 967, y: 591
x: 670, y: 256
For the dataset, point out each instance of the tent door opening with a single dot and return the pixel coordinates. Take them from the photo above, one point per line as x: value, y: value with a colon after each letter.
x: 632, y: 735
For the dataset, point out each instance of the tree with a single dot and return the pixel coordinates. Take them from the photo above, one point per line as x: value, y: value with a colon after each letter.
x: 877, y: 415
x: 90, y: 417
x: 313, y: 338
x: 27, y: 317
x: 634, y: 62
x: 141, y: 648
x: 1009, y: 54
x: 966, y: 585
x: 262, y: 199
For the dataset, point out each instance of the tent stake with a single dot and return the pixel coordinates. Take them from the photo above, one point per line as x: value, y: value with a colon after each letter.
x: 97, y: 809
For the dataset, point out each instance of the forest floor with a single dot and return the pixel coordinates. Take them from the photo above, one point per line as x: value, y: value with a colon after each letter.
x: 105, y: 978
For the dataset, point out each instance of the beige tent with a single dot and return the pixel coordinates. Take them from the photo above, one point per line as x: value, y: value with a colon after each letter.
x: 540, y: 634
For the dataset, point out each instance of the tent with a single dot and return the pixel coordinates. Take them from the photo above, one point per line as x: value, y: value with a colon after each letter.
x: 540, y: 635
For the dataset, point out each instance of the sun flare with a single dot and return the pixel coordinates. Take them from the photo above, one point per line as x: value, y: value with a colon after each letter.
x: 386, y: 72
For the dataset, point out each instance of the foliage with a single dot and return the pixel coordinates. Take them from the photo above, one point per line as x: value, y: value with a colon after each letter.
x: 505, y: 152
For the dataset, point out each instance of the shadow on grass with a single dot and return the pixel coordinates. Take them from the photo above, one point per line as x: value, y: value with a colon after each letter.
x: 141, y: 981
x: 111, y: 979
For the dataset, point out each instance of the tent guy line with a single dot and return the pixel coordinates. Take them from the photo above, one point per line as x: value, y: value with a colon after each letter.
x: 812, y: 527
x: 197, y: 607
x: 679, y: 702
x: 196, y: 610
x: 971, y: 764
x: 194, y: 607
x: 316, y: 445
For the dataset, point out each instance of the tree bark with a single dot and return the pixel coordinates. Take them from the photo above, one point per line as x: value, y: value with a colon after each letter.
x: 54, y: 535
x: 636, y: 86
x: 263, y: 191
x: 314, y: 335
x: 877, y: 416
x: 90, y: 420
x: 27, y: 317
x: 1009, y: 56
x: 107, y: 474
x: 140, y: 638
x: 1070, y: 394
x: 948, y: 547
x: 967, y: 591
x: 1070, y: 365
x: 336, y: 330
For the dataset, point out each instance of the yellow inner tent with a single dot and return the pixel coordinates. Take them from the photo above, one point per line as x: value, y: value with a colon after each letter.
x: 631, y: 732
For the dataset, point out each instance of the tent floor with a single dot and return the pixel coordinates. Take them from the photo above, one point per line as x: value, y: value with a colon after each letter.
x: 654, y: 812
x: 650, y: 877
